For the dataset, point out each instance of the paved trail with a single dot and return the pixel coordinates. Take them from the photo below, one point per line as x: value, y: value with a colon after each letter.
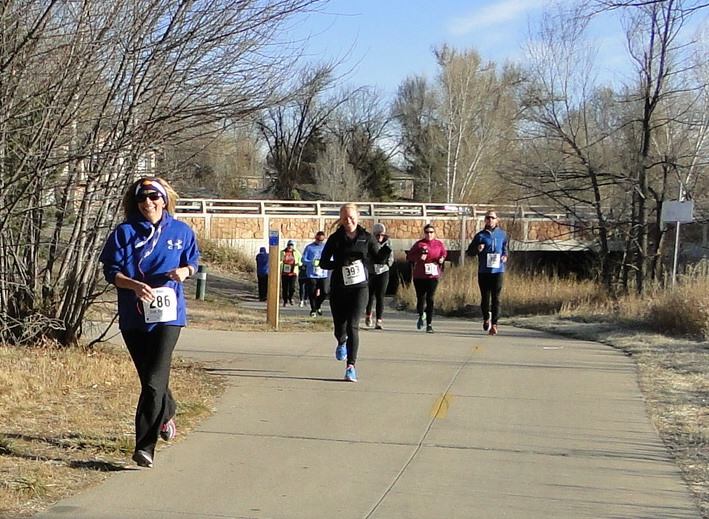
x: 451, y: 425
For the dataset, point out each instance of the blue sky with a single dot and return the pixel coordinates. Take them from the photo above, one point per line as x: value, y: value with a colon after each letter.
x: 384, y: 41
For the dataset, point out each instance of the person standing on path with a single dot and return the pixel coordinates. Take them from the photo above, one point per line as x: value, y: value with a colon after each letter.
x: 349, y: 252
x: 148, y: 257
x: 290, y: 261
x: 262, y: 273
x: 378, y: 280
x: 427, y: 255
x: 316, y: 275
x: 490, y: 247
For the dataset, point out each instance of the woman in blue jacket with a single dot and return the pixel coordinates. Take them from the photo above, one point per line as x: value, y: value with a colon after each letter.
x: 490, y: 246
x: 147, y: 258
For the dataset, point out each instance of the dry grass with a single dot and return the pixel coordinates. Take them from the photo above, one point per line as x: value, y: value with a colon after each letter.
x: 458, y: 293
x: 682, y: 311
x: 225, y: 259
x: 68, y: 419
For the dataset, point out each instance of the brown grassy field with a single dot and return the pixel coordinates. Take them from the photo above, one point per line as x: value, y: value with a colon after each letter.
x: 68, y: 419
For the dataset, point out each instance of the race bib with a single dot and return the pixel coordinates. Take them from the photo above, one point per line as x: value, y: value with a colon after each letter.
x: 163, y: 308
x: 287, y: 269
x: 380, y: 269
x: 354, y: 274
x: 431, y: 269
x: 319, y: 273
x: 493, y: 260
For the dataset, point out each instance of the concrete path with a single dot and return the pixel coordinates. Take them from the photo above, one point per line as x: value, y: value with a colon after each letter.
x: 454, y: 424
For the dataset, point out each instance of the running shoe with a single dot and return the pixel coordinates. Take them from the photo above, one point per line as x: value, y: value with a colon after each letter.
x: 419, y: 323
x: 429, y: 328
x: 313, y: 314
x: 168, y: 430
x: 368, y: 321
x: 351, y: 373
x: 143, y: 459
x: 493, y: 330
x: 319, y: 311
x: 302, y: 303
x: 378, y: 326
x: 486, y: 322
x: 341, y: 351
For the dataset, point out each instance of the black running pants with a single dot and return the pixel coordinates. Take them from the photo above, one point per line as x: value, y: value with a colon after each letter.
x: 490, y: 289
x: 152, y: 355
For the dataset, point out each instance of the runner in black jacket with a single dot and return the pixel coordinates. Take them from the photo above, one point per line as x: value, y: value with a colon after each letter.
x: 349, y: 251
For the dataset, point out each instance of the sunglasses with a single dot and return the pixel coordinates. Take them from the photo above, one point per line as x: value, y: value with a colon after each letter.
x: 143, y: 197
x: 491, y: 217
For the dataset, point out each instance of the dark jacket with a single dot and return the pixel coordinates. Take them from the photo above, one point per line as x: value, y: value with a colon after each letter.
x: 262, y: 262
x: 340, y: 251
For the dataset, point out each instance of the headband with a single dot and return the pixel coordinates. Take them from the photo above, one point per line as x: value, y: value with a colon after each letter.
x: 148, y: 185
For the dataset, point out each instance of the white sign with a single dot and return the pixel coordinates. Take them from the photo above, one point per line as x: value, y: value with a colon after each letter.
x: 676, y: 211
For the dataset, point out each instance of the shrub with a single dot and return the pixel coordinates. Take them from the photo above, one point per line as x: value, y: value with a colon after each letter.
x: 226, y: 258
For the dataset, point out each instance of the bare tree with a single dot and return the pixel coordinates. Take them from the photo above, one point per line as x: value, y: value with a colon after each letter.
x: 87, y: 91
x: 290, y: 127
x: 567, y: 132
x: 335, y: 177
x: 361, y: 125
x: 415, y: 110
x: 477, y: 116
x: 653, y: 34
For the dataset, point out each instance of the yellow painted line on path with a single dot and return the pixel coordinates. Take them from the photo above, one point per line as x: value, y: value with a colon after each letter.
x: 440, y: 408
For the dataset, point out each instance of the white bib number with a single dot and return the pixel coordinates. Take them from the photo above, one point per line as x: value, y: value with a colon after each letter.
x: 431, y: 269
x: 318, y: 272
x: 493, y: 260
x: 163, y: 308
x: 380, y: 269
x: 287, y: 269
x: 354, y: 274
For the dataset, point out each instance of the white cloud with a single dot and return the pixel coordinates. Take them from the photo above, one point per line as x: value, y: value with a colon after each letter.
x: 494, y: 14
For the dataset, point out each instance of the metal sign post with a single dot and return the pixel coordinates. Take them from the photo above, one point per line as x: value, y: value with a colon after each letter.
x: 677, y: 212
x: 274, y: 279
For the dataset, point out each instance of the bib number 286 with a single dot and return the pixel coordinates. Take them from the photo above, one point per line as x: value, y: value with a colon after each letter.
x: 163, y: 308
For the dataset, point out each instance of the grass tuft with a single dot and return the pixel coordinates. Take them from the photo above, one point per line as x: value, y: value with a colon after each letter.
x: 225, y: 259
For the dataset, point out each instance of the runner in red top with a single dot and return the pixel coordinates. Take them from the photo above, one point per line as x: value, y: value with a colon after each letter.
x: 427, y: 255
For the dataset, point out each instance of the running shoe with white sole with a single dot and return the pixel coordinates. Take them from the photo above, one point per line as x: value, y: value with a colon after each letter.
x: 486, y: 322
x: 351, y: 373
x: 378, y: 326
x: 420, y: 322
x: 168, y: 430
x: 341, y: 351
x: 143, y: 459
x: 368, y: 321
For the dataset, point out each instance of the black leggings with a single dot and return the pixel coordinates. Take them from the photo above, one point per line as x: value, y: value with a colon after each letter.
x: 347, y: 306
x: 377, y: 288
x: 288, y: 287
x: 317, y: 292
x: 490, y: 288
x: 152, y: 355
x: 425, y: 290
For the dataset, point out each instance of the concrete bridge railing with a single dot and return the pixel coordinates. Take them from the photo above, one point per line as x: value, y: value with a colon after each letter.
x: 245, y: 224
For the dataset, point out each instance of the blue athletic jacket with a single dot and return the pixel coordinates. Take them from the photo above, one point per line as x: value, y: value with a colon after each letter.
x: 495, y: 241
x: 145, y: 252
x: 312, y: 253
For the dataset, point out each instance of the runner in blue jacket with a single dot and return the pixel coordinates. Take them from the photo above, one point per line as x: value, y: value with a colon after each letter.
x: 147, y: 257
x: 315, y: 274
x: 490, y: 247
